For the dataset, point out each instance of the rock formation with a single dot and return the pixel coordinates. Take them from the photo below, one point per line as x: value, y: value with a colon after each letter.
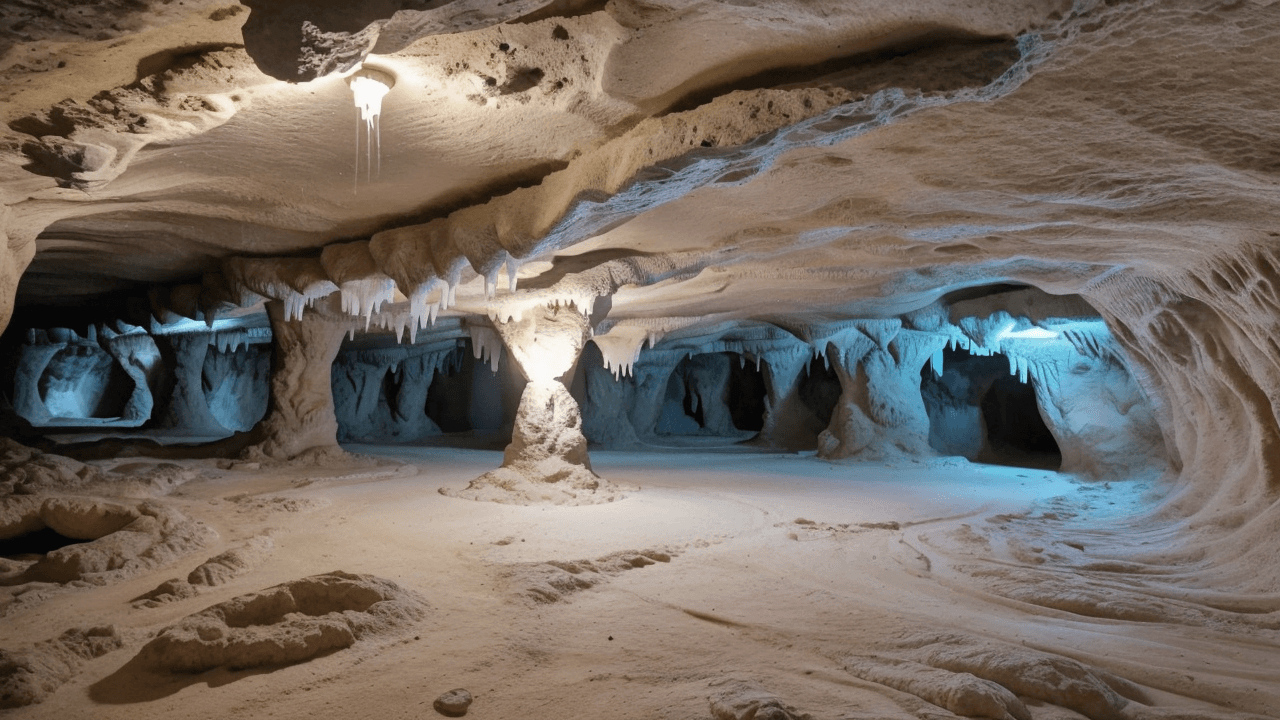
x: 1037, y: 233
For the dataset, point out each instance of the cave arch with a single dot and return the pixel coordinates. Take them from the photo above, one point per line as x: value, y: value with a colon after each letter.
x: 717, y: 394
x: 84, y: 382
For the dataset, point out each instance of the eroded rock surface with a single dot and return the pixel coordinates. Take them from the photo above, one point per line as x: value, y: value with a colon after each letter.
x: 29, y: 675
x: 285, y: 624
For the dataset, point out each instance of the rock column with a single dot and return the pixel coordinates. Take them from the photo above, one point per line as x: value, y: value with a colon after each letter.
x: 186, y: 410
x: 546, y: 461
x: 881, y: 413
x: 300, y: 417
x: 788, y: 424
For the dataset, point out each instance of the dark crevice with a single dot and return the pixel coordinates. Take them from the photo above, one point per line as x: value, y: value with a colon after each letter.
x: 449, y: 395
x: 563, y: 9
x: 934, y: 62
x: 37, y: 543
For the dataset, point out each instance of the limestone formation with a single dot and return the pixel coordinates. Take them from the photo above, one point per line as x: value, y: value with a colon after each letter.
x: 29, y: 675
x: 1040, y: 234
x: 547, y: 458
x: 300, y: 416
x: 285, y: 624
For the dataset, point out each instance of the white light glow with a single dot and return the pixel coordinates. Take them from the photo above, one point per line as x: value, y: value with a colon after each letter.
x: 369, y: 86
x: 1035, y: 333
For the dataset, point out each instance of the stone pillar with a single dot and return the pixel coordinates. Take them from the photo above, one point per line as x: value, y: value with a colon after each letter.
x: 547, y: 458
x: 881, y: 413
x: 652, y: 373
x: 788, y: 424
x: 186, y: 410
x: 300, y: 417
x: 138, y: 355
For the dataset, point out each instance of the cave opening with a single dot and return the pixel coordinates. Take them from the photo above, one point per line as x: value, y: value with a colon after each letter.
x: 979, y: 411
x: 34, y: 545
x: 236, y: 384
x: 717, y: 394
x: 820, y: 389
x: 449, y: 396
x: 84, y: 382
x: 1016, y: 433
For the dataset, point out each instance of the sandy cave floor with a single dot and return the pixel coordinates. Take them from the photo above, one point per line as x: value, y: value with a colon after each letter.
x: 782, y: 567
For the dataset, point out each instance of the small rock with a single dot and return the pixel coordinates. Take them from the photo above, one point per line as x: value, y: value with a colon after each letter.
x: 453, y: 703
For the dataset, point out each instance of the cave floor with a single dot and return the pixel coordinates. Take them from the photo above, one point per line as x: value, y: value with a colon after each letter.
x: 783, y: 571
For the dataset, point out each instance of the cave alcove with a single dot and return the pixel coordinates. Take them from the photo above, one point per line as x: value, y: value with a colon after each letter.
x: 236, y: 382
x: 714, y: 394
x: 979, y: 411
x: 83, y: 382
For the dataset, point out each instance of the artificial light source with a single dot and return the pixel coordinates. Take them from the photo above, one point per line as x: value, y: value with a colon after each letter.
x: 369, y: 86
x: 1035, y: 333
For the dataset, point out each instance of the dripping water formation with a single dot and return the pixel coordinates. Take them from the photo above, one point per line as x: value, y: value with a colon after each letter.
x: 368, y: 87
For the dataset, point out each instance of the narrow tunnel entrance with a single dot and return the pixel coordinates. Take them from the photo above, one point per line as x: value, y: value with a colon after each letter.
x: 1016, y: 434
x: 34, y: 545
x: 981, y: 412
x: 719, y: 394
x: 449, y: 396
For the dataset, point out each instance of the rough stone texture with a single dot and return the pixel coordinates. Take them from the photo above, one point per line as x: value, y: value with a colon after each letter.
x: 557, y: 580
x: 238, y: 385
x: 29, y: 675
x: 1101, y: 419
x: 285, y: 624
x: 824, y: 162
x: 380, y: 395
x: 880, y: 412
x: 122, y: 540
x: 186, y: 409
x: 453, y: 703
x: 546, y: 461
x: 740, y: 700
x: 789, y: 424
x: 300, y: 414
x: 217, y: 570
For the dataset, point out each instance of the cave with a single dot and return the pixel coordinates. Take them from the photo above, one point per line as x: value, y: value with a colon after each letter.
x: 715, y: 394
x: 979, y: 411
x: 83, y: 383
x: 547, y: 359
x: 35, y: 544
x: 1016, y: 435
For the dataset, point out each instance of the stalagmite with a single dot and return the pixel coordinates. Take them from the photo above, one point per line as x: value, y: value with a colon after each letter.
x: 788, y: 424
x: 300, y: 418
x: 185, y: 410
x: 547, y: 458
x: 880, y: 413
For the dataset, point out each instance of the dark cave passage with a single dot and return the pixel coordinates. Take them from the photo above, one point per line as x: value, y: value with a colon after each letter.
x: 714, y: 394
x: 979, y: 411
x: 449, y: 396
x: 35, y: 544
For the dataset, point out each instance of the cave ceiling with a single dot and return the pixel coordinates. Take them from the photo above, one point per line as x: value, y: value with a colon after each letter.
x: 697, y: 161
